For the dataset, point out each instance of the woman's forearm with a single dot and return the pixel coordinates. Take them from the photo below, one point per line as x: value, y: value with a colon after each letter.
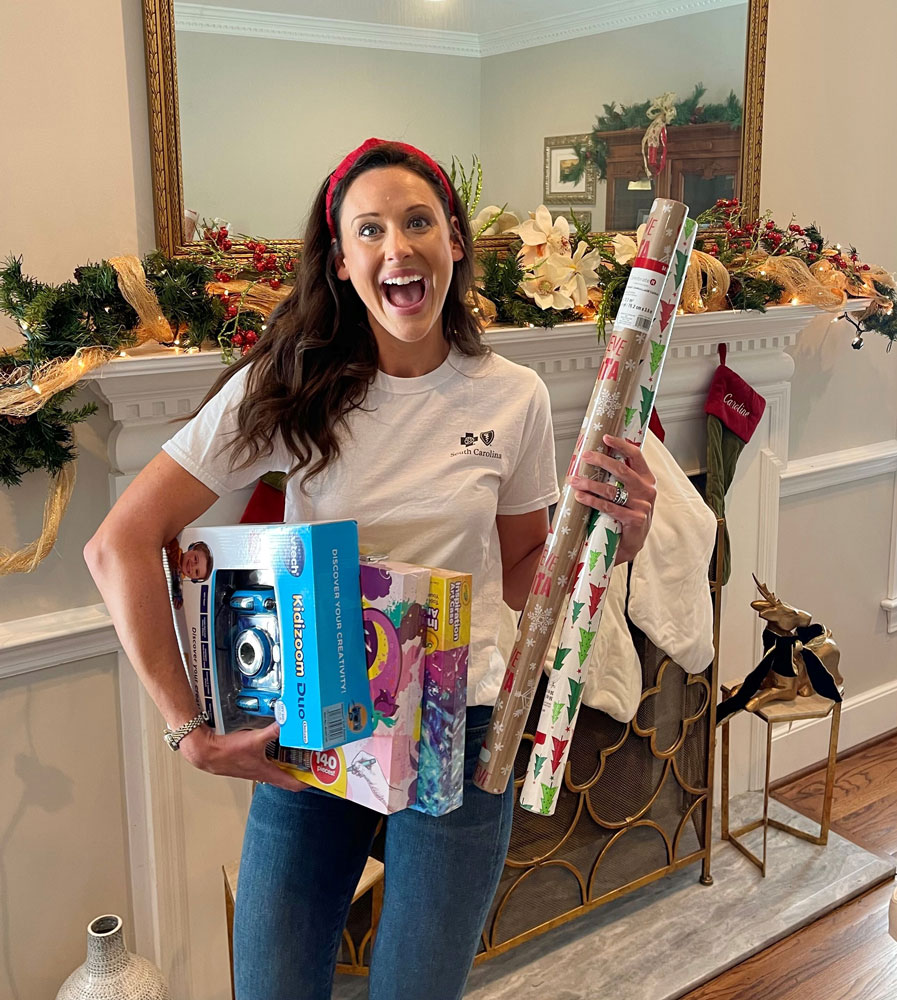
x: 518, y: 580
x: 132, y: 581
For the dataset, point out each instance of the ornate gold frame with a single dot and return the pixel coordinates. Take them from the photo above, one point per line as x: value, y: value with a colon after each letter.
x: 165, y: 136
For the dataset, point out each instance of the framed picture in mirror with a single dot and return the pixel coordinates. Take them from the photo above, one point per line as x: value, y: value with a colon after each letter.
x: 558, y: 188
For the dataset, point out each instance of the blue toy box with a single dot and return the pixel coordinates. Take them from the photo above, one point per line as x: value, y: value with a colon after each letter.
x: 269, y: 622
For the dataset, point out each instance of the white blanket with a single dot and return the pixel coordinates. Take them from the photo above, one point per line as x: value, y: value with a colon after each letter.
x: 669, y: 594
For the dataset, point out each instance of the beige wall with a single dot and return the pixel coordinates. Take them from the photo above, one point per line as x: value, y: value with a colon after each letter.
x: 263, y: 179
x: 559, y: 89
x: 75, y: 182
x: 63, y: 832
x: 78, y: 171
x: 821, y: 162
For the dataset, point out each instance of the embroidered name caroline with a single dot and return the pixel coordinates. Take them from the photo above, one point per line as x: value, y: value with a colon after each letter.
x: 730, y: 401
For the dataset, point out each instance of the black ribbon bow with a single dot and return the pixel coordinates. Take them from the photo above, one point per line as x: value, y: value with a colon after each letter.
x: 779, y: 658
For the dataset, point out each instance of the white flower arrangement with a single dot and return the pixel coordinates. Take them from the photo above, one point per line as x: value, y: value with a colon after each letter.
x: 555, y: 276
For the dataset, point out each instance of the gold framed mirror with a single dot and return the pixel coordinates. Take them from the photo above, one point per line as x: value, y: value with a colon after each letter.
x: 220, y: 120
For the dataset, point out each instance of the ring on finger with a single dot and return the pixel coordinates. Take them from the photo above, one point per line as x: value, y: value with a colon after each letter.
x: 621, y: 497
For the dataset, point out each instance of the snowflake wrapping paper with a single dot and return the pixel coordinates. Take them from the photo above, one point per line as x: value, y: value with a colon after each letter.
x: 563, y: 696
x: 616, y: 394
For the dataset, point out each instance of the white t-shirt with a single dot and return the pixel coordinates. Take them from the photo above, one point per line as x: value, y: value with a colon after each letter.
x: 425, y: 468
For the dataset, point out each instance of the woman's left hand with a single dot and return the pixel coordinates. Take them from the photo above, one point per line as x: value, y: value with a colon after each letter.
x: 635, y: 515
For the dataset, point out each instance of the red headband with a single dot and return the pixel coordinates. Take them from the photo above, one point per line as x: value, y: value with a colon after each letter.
x: 349, y: 161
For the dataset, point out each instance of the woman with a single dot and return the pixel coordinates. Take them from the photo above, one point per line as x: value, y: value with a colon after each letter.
x: 373, y: 387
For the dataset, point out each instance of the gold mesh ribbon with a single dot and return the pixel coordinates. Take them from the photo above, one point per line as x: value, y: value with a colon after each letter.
x: 802, y: 285
x: 24, y: 390
x: 704, y: 271
x: 29, y: 557
x: 142, y: 299
x: 260, y: 298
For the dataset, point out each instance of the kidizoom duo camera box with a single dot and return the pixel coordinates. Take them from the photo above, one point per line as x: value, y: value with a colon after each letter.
x: 269, y: 622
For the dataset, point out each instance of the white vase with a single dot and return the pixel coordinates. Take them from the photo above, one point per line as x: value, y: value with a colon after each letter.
x: 111, y: 972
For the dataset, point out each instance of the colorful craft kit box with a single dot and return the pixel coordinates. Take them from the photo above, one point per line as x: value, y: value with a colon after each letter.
x: 440, y: 783
x: 381, y: 771
x: 269, y: 622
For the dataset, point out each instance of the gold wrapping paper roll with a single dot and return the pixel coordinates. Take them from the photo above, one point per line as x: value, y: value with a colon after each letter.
x: 616, y: 389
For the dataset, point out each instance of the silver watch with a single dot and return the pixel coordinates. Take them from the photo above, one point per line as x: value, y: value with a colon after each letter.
x: 173, y: 737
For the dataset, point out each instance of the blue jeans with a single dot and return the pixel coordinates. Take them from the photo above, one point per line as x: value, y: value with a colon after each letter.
x: 303, y: 854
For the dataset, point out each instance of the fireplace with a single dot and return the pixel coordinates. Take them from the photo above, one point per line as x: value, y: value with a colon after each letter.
x: 636, y: 804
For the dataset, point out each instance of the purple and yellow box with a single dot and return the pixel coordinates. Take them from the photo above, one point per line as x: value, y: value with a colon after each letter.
x: 440, y: 784
x: 381, y: 770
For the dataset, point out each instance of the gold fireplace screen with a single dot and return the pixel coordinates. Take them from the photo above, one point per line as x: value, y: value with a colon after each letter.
x: 636, y: 804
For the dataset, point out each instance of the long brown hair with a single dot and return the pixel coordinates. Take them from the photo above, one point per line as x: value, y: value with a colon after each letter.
x: 316, y: 361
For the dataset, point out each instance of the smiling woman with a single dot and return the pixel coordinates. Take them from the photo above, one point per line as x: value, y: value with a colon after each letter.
x: 399, y: 259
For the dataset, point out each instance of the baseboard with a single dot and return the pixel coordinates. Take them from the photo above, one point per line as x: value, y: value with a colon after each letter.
x: 818, y: 765
x: 805, y: 744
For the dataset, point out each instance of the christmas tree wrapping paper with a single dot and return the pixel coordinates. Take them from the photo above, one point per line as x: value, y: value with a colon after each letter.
x: 616, y: 393
x: 563, y: 696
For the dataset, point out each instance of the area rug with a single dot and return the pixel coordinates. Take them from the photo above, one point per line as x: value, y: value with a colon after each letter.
x: 667, y: 938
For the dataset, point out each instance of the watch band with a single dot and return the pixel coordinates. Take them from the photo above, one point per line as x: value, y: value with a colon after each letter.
x: 173, y: 737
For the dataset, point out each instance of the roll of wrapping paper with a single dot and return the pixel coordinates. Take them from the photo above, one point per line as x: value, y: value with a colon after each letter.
x: 616, y: 391
x: 563, y: 696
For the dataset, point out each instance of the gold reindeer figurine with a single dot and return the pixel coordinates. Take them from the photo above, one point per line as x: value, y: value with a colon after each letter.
x: 799, y: 659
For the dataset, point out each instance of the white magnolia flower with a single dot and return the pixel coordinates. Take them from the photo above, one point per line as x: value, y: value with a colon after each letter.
x: 541, y: 236
x: 502, y: 221
x: 543, y: 285
x: 625, y: 247
x: 579, y: 272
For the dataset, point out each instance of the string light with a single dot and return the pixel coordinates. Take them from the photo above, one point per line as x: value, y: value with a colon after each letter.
x: 36, y: 388
x: 795, y: 301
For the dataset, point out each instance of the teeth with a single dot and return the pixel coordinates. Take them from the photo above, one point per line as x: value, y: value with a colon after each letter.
x: 405, y: 279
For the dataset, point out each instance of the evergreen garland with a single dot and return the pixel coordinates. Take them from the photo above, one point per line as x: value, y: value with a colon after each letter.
x: 616, y: 118
x: 56, y: 321
x: 41, y: 441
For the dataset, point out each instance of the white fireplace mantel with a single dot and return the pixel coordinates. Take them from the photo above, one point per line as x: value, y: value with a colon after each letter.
x: 152, y: 386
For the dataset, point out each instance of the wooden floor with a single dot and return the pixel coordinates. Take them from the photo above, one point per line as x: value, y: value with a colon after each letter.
x: 847, y: 955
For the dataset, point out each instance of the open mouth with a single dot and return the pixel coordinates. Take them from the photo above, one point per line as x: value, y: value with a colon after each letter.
x: 405, y: 292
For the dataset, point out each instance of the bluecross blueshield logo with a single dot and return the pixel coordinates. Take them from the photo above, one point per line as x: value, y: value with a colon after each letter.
x: 468, y: 439
x: 487, y: 437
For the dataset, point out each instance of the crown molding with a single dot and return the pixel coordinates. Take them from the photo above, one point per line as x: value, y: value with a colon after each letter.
x: 613, y: 15
x: 208, y: 19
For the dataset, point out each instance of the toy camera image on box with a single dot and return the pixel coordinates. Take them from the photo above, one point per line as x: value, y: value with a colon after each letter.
x: 268, y: 618
x: 380, y: 772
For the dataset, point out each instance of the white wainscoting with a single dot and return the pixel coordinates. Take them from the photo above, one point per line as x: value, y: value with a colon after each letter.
x: 29, y: 644
x: 871, y: 712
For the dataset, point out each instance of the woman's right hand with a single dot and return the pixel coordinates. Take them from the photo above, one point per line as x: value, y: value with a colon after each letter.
x: 239, y: 755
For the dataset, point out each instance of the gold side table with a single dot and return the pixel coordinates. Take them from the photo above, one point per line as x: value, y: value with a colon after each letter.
x: 813, y: 707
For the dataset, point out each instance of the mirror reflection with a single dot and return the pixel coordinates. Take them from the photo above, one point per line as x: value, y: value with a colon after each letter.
x: 272, y: 95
